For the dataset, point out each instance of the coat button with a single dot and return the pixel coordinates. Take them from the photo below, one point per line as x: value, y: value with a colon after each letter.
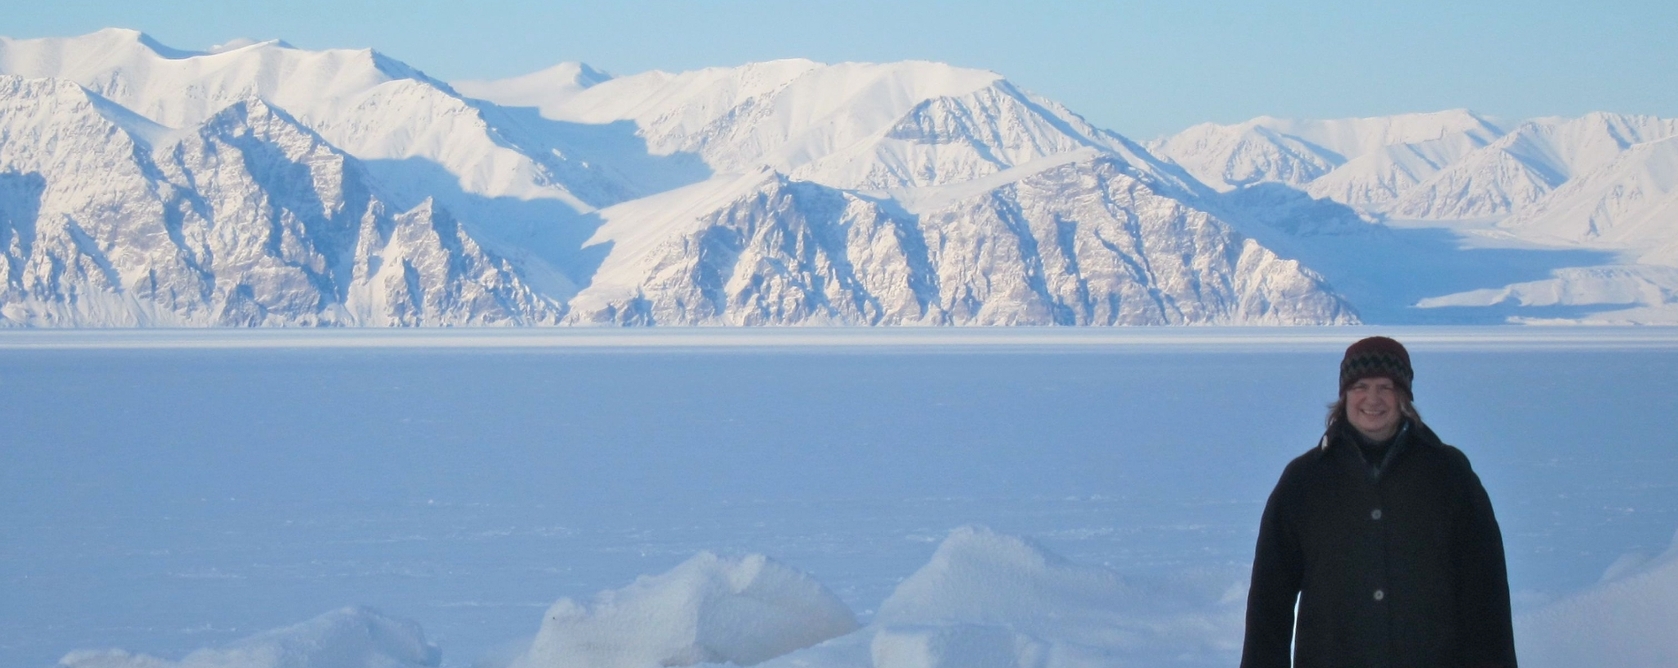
x: 1380, y: 595
x: 1375, y: 514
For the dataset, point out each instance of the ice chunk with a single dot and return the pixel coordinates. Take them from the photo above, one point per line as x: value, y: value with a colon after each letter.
x: 981, y: 577
x: 709, y: 609
x: 1627, y: 621
x: 352, y: 637
x: 987, y: 599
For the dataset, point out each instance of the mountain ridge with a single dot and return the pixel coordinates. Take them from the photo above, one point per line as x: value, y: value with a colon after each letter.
x: 1598, y: 183
x: 543, y: 198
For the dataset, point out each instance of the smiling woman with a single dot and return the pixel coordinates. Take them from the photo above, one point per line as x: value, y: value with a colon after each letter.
x: 1374, y: 407
x: 1382, y: 540
x: 1375, y: 393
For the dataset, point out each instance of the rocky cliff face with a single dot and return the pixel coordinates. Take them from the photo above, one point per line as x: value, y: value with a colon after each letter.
x: 1080, y: 243
x: 248, y: 219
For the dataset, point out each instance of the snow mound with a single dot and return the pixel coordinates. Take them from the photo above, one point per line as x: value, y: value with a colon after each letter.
x: 709, y: 609
x: 954, y: 646
x: 353, y: 637
x: 990, y: 600
x: 1625, y: 621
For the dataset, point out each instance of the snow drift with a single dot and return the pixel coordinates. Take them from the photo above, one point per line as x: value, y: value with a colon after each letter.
x: 347, y: 638
x: 984, y: 600
x: 1629, y: 620
x: 709, y: 609
x: 991, y: 600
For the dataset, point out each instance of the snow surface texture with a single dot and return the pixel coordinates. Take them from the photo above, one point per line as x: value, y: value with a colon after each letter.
x: 985, y: 600
x: 164, y: 491
x: 785, y: 192
x: 1627, y: 620
x: 347, y: 638
x: 1603, y: 182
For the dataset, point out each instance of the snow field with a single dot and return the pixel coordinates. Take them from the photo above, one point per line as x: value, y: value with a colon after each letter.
x: 985, y: 600
x: 166, y: 500
x: 1630, y: 619
x: 353, y: 637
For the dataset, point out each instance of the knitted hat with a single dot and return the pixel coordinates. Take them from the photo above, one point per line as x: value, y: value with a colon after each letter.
x: 1377, y: 357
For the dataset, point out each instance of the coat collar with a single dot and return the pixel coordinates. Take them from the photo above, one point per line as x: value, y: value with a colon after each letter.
x: 1411, y: 430
x: 1411, y: 433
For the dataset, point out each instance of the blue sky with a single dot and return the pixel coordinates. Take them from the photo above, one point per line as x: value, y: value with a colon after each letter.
x: 1141, y: 68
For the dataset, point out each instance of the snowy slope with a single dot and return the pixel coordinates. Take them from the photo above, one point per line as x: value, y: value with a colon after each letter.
x: 363, y: 102
x: 1444, y: 166
x: 780, y: 113
x: 1361, y: 161
x: 420, y: 137
x: 537, y: 89
x: 1228, y: 157
x: 179, y: 88
x: 850, y: 125
x: 1600, y: 183
x: 1603, y: 182
x: 805, y: 220
x: 1375, y: 179
x: 1626, y: 620
x: 353, y: 637
x: 1628, y: 202
x: 1523, y: 167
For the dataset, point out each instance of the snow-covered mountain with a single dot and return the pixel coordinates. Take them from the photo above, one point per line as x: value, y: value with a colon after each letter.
x: 1600, y: 183
x: 1356, y: 161
x: 1629, y: 202
x: 1071, y: 240
x: 260, y: 184
x: 519, y: 184
x: 246, y: 219
x: 850, y: 125
x: 1521, y: 168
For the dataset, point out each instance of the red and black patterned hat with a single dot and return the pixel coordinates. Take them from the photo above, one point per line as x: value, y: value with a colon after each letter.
x: 1377, y: 357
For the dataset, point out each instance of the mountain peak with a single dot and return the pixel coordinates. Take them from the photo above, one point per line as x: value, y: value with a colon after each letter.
x: 122, y: 37
x: 251, y: 110
x: 125, y: 37
x: 559, y: 81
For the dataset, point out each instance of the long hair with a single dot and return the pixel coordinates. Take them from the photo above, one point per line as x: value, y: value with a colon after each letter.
x: 1337, y: 410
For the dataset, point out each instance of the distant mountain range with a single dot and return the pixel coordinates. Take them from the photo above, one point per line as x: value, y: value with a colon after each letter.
x: 257, y: 184
x: 1603, y: 183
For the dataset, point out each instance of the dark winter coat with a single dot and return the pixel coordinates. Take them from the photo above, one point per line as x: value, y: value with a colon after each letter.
x: 1398, y: 569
